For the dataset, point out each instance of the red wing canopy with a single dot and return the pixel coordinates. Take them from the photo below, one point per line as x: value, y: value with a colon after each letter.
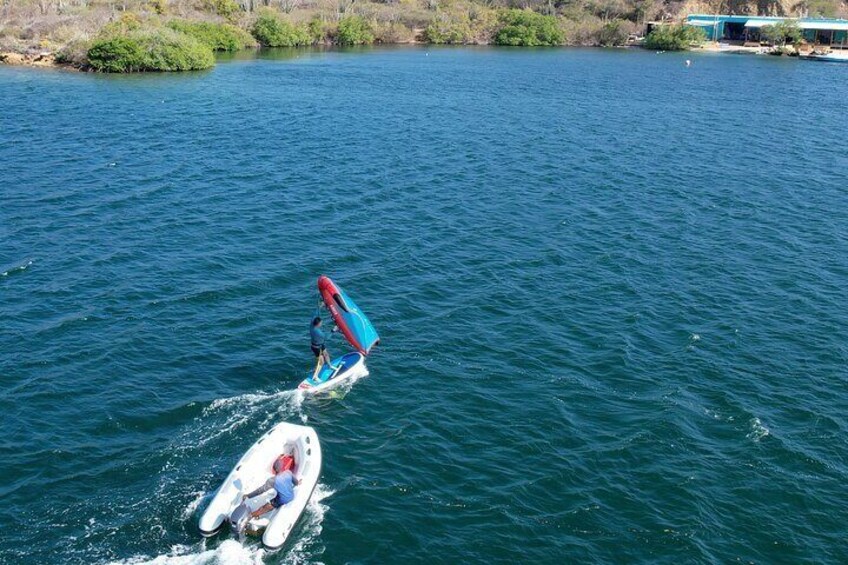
x: 352, y: 322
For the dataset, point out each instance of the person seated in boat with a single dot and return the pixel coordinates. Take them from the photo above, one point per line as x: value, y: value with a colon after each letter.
x: 318, y: 340
x: 283, y: 483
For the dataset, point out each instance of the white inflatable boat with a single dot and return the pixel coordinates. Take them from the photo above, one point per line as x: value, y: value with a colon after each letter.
x: 349, y: 366
x: 252, y: 471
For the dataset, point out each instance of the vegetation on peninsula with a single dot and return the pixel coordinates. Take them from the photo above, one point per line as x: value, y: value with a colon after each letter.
x: 216, y: 36
x: 149, y: 49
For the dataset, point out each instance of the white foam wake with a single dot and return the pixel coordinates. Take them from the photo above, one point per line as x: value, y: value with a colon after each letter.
x: 304, y: 550
x: 230, y: 552
x: 758, y: 430
x: 199, y: 497
x: 22, y: 267
x: 294, y: 398
x: 226, y: 415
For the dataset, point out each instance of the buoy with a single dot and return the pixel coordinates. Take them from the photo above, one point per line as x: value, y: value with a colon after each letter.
x: 688, y: 63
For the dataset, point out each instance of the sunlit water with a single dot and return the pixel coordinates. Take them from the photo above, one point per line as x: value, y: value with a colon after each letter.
x: 611, y: 291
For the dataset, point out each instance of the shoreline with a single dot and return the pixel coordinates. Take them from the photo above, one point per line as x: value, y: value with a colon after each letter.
x: 44, y: 60
x: 48, y: 59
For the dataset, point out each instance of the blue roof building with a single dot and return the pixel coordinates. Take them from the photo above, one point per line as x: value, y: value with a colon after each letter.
x: 720, y: 27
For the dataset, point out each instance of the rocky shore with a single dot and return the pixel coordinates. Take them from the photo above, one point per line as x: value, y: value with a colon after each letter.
x: 31, y: 59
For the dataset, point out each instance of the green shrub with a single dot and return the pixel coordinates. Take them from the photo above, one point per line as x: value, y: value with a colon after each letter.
x: 118, y: 54
x: 393, y: 33
x: 219, y: 37
x: 74, y: 53
x: 8, y: 31
x: 158, y: 7
x: 449, y: 29
x: 151, y: 49
x: 613, y: 33
x: 463, y: 24
x: 271, y: 30
x: 782, y: 33
x: 527, y: 28
x: 354, y: 30
x: 321, y: 31
x: 584, y: 31
x: 228, y: 9
x: 674, y: 37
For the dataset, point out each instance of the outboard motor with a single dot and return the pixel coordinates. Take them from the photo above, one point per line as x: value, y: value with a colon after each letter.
x: 239, y: 519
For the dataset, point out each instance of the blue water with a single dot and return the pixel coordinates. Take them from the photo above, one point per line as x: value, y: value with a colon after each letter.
x: 611, y: 292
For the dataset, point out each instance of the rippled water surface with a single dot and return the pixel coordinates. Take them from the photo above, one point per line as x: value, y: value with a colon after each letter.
x: 611, y: 291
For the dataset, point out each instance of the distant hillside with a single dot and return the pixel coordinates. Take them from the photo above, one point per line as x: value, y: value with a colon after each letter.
x: 70, y: 27
x: 788, y: 8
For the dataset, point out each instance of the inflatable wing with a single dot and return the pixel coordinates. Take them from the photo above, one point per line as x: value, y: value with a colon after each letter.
x: 352, y: 322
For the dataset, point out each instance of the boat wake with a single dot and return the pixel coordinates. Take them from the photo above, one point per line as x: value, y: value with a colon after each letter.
x: 186, y: 485
x: 230, y: 552
x: 289, y: 402
x: 758, y: 430
x: 253, y: 399
x: 227, y: 415
x: 304, y: 549
x: 16, y: 269
x: 200, y: 497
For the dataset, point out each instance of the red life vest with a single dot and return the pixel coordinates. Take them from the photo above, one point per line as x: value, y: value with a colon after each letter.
x: 283, y: 463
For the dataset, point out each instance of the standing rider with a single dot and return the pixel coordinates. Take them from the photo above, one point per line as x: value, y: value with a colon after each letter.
x: 318, y: 340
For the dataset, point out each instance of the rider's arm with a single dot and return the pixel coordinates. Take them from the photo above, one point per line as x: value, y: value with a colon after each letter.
x: 269, y: 484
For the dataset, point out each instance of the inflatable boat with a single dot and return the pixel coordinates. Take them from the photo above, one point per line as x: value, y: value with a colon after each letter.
x: 349, y: 366
x: 296, y: 447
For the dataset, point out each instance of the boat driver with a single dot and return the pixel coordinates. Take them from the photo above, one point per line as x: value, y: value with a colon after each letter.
x: 283, y: 483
